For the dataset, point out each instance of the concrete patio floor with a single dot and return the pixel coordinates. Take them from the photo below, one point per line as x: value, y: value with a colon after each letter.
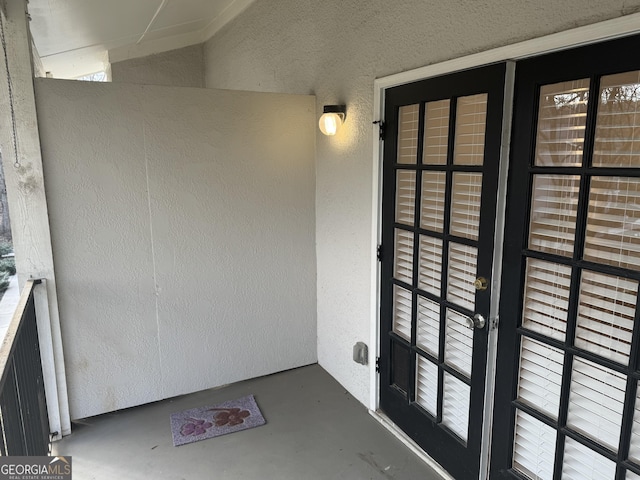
x: 314, y: 430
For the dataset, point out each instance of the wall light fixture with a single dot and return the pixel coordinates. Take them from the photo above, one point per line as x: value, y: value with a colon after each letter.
x: 332, y: 118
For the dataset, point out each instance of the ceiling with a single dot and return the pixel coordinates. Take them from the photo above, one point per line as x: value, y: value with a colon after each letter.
x: 79, y: 37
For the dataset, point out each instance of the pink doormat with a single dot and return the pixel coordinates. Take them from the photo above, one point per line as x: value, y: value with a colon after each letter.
x: 208, y: 422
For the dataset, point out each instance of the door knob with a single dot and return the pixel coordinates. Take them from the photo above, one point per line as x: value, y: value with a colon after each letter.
x: 481, y: 283
x: 477, y: 321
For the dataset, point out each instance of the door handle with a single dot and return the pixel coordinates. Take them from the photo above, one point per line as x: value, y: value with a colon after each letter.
x: 481, y: 283
x: 477, y: 321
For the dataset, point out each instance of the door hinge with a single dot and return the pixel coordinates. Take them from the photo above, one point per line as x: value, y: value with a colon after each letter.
x: 379, y: 253
x: 380, y: 124
x: 378, y: 364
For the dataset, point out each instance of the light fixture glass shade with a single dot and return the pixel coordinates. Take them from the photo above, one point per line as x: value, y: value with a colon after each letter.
x: 330, y: 123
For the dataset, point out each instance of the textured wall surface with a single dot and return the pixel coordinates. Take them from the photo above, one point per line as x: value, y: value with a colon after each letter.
x: 335, y: 49
x: 178, y: 68
x: 183, y: 236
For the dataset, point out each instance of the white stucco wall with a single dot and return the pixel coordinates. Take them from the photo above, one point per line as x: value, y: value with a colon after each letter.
x: 183, y: 67
x: 335, y: 49
x: 183, y: 233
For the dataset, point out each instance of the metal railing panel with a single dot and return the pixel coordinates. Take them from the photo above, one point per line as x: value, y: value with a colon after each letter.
x: 23, y: 409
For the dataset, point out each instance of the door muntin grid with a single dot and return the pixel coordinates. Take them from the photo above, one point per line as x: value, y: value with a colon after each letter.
x: 577, y: 364
x: 437, y: 258
x: 437, y: 398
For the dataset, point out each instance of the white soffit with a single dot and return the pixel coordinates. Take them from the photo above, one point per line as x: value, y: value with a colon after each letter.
x: 77, y: 37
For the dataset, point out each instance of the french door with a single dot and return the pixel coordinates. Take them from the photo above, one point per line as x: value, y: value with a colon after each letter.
x: 441, y: 156
x: 568, y: 374
x: 567, y: 386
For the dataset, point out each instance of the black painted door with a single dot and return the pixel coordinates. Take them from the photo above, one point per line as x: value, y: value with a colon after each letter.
x: 441, y: 156
x: 569, y: 342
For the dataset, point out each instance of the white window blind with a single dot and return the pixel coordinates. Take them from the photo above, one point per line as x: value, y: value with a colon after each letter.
x: 613, y: 223
x: 430, y: 270
x: 471, y: 119
x: 546, y: 298
x: 540, y: 376
x: 403, y: 266
x: 582, y: 463
x: 596, y: 401
x: 402, y: 308
x: 553, y: 213
x: 631, y: 476
x: 408, y: 134
x: 405, y: 196
x: 462, y: 275
x: 465, y: 204
x: 605, y: 315
x: 428, y: 326
x: 617, y: 138
x: 436, y: 132
x: 562, y: 116
x: 634, y: 447
x: 458, y: 346
x: 606, y: 303
x: 534, y: 447
x: 433, y: 193
x: 427, y: 385
x: 455, y: 405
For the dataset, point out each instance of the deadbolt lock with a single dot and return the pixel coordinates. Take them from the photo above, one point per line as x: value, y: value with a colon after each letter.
x: 481, y: 283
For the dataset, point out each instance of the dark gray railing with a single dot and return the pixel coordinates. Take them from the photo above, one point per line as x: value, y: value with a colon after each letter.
x: 24, y: 425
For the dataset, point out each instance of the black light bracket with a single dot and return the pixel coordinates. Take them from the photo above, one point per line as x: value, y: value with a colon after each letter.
x: 339, y: 109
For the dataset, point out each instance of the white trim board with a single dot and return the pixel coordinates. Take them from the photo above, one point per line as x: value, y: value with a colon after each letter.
x: 607, y: 30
